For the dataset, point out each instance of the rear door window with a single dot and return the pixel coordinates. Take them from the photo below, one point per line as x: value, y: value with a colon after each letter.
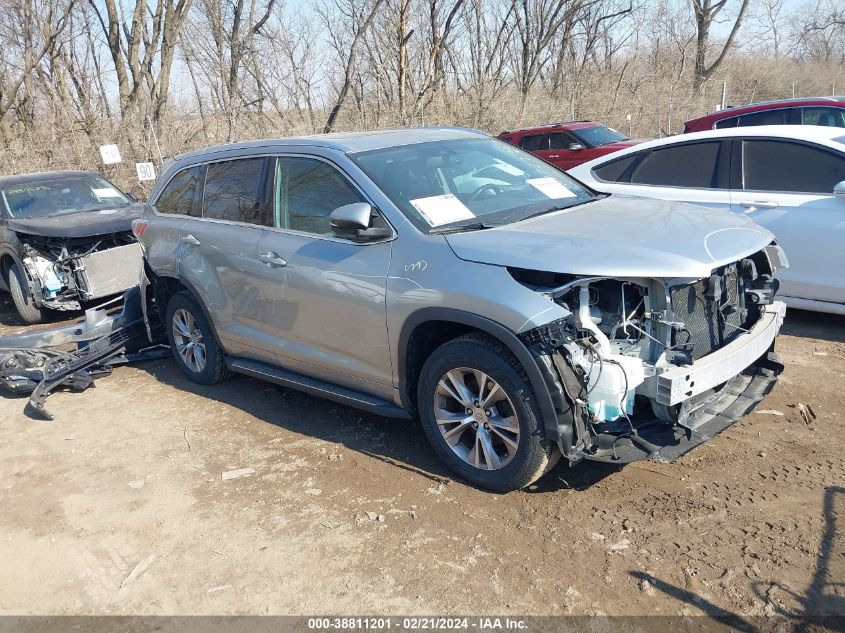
x: 535, y: 142
x: 726, y: 123
x: 307, y: 191
x: 177, y: 197
x: 235, y: 191
x: 794, y: 167
x: 829, y: 117
x: 690, y: 165
x: 781, y: 116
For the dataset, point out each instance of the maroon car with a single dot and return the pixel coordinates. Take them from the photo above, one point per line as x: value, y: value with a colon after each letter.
x: 566, y: 145
x: 827, y: 111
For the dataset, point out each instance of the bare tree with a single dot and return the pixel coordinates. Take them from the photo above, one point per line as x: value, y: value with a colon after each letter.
x: 348, y: 22
x: 706, y: 12
x: 143, y: 49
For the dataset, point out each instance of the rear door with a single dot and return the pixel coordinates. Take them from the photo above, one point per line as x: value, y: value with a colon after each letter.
x: 322, y: 296
x: 217, y: 257
x: 787, y: 187
x: 177, y: 201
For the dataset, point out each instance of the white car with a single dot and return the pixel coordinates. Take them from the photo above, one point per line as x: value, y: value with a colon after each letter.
x: 787, y: 178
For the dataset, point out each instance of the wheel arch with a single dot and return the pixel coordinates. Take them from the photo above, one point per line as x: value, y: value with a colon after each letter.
x: 428, y: 328
x: 165, y: 286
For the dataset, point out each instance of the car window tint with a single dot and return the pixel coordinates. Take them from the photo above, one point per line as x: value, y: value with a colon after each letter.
x: 828, y: 117
x: 726, y: 123
x: 306, y: 193
x: 534, y: 142
x: 177, y: 197
x: 783, y: 166
x: 613, y: 171
x: 691, y: 165
x: 234, y: 191
x: 782, y: 116
x: 560, y: 140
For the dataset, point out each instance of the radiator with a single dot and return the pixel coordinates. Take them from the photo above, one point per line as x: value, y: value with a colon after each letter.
x: 112, y: 271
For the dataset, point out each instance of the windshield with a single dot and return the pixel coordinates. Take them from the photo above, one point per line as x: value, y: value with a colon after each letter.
x: 42, y: 198
x: 469, y: 182
x: 598, y: 135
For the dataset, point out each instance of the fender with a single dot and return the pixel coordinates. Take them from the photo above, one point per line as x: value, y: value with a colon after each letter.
x: 34, y: 288
x: 153, y: 277
x: 7, y: 249
x: 497, y: 331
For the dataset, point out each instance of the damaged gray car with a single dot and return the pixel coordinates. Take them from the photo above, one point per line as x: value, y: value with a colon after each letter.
x: 446, y: 275
x: 65, y: 241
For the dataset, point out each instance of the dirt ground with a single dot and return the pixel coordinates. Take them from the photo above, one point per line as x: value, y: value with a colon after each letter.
x: 347, y: 513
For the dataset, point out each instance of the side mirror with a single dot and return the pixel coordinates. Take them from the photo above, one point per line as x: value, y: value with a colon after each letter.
x: 575, y: 147
x: 839, y: 190
x: 354, y: 221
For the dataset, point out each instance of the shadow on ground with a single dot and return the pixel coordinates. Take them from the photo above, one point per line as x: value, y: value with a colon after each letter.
x: 398, y: 442
x: 822, y: 606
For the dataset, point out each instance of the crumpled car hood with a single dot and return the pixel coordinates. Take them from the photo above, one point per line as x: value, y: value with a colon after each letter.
x: 84, y: 224
x: 618, y: 236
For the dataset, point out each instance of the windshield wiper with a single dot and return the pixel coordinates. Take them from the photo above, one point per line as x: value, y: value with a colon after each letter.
x: 556, y: 208
x: 457, y: 228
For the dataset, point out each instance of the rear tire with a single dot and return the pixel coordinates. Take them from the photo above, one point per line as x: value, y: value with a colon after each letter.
x: 193, y: 341
x: 490, y: 429
x: 22, y: 297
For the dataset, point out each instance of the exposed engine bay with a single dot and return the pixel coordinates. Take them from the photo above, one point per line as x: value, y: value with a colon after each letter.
x: 639, y: 359
x: 65, y: 272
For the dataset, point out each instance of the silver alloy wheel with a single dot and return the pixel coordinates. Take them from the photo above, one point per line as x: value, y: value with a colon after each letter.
x: 476, y: 418
x: 190, y: 343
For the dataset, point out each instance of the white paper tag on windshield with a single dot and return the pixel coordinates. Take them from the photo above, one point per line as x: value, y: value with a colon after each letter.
x: 443, y: 209
x: 551, y: 188
x: 107, y: 192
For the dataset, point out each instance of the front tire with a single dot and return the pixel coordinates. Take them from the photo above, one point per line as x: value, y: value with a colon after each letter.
x: 22, y: 297
x: 193, y: 342
x: 481, y: 415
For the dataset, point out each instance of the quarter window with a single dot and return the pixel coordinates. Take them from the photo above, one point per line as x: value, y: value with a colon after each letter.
x: 691, y: 165
x: 782, y: 166
x: 306, y: 193
x: 615, y: 169
x: 234, y: 191
x: 177, y: 198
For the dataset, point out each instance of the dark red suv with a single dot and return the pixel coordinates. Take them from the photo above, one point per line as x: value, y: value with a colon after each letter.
x: 566, y: 145
x: 827, y: 111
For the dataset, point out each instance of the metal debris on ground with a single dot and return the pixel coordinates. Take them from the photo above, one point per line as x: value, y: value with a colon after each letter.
x: 74, y: 356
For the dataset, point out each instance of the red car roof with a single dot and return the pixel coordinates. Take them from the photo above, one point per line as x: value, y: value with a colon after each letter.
x: 708, y: 121
x: 566, y: 125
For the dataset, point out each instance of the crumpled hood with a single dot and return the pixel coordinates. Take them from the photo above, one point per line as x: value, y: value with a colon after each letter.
x: 83, y: 224
x: 618, y: 236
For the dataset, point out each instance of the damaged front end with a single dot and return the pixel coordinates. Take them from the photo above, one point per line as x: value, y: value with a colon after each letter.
x: 73, y: 356
x: 64, y: 273
x: 650, y: 368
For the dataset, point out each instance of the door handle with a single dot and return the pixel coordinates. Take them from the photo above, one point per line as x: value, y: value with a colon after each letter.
x: 189, y: 239
x: 554, y: 155
x: 758, y: 204
x: 273, y: 260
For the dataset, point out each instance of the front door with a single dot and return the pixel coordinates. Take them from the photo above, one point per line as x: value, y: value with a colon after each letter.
x: 787, y: 187
x: 323, y: 297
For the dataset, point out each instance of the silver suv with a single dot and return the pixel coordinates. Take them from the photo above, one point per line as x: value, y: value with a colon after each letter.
x: 444, y: 274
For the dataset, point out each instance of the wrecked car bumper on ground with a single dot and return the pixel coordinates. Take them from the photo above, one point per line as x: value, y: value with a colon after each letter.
x: 72, y: 356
